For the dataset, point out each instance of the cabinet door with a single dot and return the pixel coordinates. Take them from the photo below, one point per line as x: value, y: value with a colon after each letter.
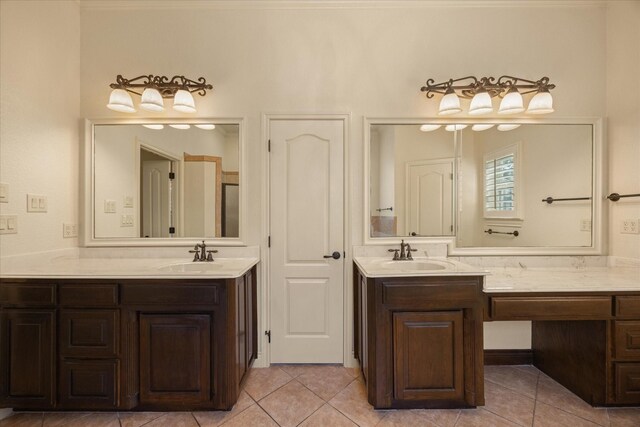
x: 89, y: 384
x: 27, y: 358
x: 241, y: 328
x: 428, y: 359
x: 175, y: 358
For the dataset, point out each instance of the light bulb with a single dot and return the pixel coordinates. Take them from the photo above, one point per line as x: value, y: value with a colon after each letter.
x: 152, y: 100
x: 541, y: 103
x: 511, y: 103
x: 183, y: 102
x: 481, y: 103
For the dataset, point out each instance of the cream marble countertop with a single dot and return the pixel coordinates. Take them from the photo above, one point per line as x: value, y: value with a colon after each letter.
x: 562, y: 279
x: 384, y: 267
x: 74, y: 267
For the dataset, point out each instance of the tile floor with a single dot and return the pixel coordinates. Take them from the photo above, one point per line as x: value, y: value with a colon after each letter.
x: 333, y: 396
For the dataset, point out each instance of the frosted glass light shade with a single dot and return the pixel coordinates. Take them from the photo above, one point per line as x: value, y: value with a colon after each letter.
x: 429, y: 128
x: 452, y: 128
x: 206, y: 126
x: 449, y: 104
x: 511, y: 103
x: 480, y: 127
x: 154, y: 126
x: 480, y: 104
x: 183, y: 102
x: 152, y: 100
x: 121, y: 101
x: 541, y: 103
x: 504, y: 128
x: 180, y: 126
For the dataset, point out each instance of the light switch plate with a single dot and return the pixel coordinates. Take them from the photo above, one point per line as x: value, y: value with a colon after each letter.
x: 36, y: 203
x: 585, y: 225
x: 69, y: 230
x: 126, y: 221
x: 4, y: 192
x: 8, y: 224
x: 630, y: 226
x: 128, y: 202
x: 109, y: 206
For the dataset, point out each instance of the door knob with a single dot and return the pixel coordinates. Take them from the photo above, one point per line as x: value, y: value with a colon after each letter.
x: 334, y: 255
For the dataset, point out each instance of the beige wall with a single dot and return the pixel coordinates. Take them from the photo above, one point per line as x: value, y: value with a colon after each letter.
x: 39, y: 120
x: 623, y: 116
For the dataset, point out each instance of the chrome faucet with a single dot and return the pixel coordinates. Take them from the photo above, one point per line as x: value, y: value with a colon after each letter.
x: 405, y: 252
x: 201, y: 253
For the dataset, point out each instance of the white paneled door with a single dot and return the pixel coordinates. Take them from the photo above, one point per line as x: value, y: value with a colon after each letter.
x: 429, y: 203
x: 306, y: 229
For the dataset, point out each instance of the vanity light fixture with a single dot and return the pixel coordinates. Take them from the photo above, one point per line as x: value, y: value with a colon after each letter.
x: 451, y: 128
x: 154, y: 90
x: 180, y: 126
x: 206, y: 126
x: 154, y: 126
x: 480, y: 127
x: 481, y: 92
x: 505, y: 128
x: 429, y: 128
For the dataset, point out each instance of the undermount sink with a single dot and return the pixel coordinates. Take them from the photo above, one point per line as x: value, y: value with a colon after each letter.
x: 192, y: 267
x: 413, y: 265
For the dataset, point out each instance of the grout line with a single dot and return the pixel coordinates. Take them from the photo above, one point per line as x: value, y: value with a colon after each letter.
x: 268, y: 414
x: 241, y: 412
x: 535, y: 402
x: 196, y: 420
x: 309, y: 416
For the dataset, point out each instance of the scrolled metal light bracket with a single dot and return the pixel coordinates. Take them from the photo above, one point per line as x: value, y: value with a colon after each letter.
x: 165, y: 85
x: 468, y: 86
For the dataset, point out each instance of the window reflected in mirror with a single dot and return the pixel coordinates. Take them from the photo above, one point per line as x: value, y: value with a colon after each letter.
x: 163, y: 181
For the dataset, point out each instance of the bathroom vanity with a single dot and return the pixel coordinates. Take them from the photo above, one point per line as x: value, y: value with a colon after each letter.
x: 418, y: 332
x: 176, y: 341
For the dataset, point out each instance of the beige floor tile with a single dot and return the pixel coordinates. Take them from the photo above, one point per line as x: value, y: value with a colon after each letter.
x: 527, y: 368
x: 174, y: 419
x: 63, y: 419
x: 548, y: 416
x: 326, y: 416
x: 508, y: 404
x: 253, y: 416
x: 554, y: 394
x: 262, y: 381
x: 327, y: 381
x: 624, y: 417
x: 513, y: 378
x: 352, y: 402
x: 101, y: 419
x: 23, y: 420
x: 291, y: 404
x: 137, y: 419
x: 442, y: 417
x: 215, y: 418
x: 402, y: 418
x: 481, y: 418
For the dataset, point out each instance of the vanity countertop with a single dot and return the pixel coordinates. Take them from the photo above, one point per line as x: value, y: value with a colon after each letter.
x: 589, y: 279
x: 73, y: 267
x: 385, y: 267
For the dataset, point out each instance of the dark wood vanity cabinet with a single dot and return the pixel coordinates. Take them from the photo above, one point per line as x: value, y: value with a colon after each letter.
x: 419, y: 340
x: 160, y: 344
x: 577, y: 332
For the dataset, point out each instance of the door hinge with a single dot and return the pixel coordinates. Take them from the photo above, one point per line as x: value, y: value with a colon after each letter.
x: 451, y: 227
x: 172, y: 230
x: 172, y: 175
x: 344, y: 254
x: 268, y: 334
x: 451, y: 176
x: 269, y: 241
x: 269, y: 146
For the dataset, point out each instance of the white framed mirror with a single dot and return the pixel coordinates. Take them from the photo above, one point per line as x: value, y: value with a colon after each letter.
x: 163, y: 182
x: 518, y: 186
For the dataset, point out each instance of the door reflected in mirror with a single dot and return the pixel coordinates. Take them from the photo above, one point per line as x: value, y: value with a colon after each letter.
x: 161, y: 181
x: 411, y: 185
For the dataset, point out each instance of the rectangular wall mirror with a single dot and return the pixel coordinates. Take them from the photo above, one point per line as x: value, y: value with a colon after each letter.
x: 519, y: 186
x: 165, y: 181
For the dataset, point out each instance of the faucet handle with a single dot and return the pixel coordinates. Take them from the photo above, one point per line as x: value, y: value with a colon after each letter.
x: 195, y: 256
x: 395, y: 255
x: 210, y: 254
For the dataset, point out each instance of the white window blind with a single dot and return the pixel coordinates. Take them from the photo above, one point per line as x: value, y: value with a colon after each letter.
x: 501, y: 183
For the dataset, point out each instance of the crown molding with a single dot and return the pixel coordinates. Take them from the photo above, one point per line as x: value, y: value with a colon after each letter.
x: 329, y: 4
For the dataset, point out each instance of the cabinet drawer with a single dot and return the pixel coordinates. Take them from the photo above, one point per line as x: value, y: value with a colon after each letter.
x: 627, y: 383
x: 174, y: 295
x: 89, y: 333
x: 628, y: 306
x: 550, y: 308
x: 627, y: 344
x: 401, y: 293
x: 28, y: 294
x: 88, y: 295
x: 89, y: 384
